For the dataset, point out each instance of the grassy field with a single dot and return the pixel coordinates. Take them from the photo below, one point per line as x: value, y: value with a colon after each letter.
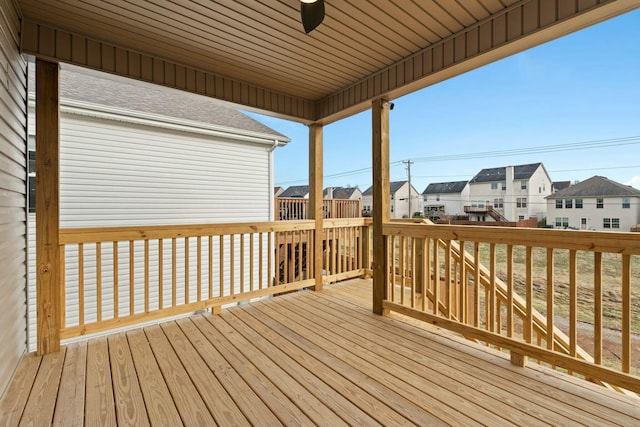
x: 611, y: 283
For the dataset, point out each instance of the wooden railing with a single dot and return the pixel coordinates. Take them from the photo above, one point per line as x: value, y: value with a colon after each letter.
x: 126, y: 275
x: 491, y: 284
x: 297, y: 208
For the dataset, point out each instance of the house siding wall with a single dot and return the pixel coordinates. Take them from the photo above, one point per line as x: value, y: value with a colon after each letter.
x: 612, y: 208
x: 121, y: 174
x: 13, y: 163
x: 453, y: 203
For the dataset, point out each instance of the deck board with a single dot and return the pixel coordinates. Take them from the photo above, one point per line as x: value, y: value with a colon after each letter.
x: 304, y: 358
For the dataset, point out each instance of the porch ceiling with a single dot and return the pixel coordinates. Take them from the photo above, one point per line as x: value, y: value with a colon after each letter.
x: 255, y: 53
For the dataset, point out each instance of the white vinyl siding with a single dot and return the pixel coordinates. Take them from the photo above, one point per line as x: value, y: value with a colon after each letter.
x: 13, y: 174
x: 121, y: 174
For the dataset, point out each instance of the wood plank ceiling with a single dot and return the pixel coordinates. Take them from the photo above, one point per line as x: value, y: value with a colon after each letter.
x: 255, y: 53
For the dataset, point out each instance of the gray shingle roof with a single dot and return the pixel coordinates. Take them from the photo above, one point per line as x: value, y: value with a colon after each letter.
x: 500, y: 174
x: 296, y: 191
x: 445, y: 187
x: 394, y: 186
x: 341, y: 192
x: 136, y: 96
x: 596, y: 186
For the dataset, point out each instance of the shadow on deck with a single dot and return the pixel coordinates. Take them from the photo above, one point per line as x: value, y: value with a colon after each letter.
x: 306, y: 358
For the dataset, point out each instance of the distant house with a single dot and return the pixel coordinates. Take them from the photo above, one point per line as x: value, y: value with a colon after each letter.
x: 296, y: 191
x: 597, y: 204
x: 559, y: 185
x: 445, y: 198
x: 344, y: 193
x: 513, y: 192
x: 277, y: 191
x: 404, y: 200
x: 132, y: 154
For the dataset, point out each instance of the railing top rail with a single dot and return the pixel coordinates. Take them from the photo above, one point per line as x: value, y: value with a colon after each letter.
x: 343, y: 222
x: 592, y: 241
x: 111, y: 234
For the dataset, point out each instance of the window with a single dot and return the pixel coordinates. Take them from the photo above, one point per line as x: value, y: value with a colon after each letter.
x: 626, y: 202
x: 438, y: 198
x: 615, y: 222
x: 520, y: 217
x: 558, y: 203
x: 504, y: 186
x: 562, y: 222
x: 498, y: 203
x: 606, y: 222
x: 578, y: 203
x: 568, y: 203
x: 494, y: 185
x: 391, y: 208
x: 600, y: 203
x: 521, y: 202
x: 523, y: 185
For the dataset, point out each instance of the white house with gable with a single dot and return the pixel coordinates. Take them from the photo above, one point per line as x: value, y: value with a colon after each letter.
x: 136, y: 155
x: 597, y: 204
x: 445, y: 198
x: 513, y: 192
x: 404, y: 200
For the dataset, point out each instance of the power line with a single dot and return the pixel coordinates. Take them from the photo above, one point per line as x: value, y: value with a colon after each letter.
x: 584, y: 145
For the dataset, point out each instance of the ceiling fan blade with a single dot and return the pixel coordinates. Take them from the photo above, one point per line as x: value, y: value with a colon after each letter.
x: 312, y: 14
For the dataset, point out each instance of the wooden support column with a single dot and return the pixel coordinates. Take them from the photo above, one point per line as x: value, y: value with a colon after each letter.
x: 315, y: 199
x: 48, y: 274
x: 381, y: 194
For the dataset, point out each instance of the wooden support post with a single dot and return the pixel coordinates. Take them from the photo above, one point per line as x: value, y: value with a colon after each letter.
x: 518, y: 359
x: 315, y: 199
x: 49, y: 273
x: 381, y: 194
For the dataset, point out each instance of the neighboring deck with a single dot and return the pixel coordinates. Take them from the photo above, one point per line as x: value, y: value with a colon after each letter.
x: 305, y: 358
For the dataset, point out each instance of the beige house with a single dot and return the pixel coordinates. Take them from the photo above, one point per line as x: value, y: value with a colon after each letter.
x: 404, y: 200
x: 597, y: 204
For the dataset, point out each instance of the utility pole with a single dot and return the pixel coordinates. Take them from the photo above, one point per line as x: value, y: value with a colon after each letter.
x: 409, y: 163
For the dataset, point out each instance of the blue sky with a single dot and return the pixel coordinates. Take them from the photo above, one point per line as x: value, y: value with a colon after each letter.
x: 583, y: 87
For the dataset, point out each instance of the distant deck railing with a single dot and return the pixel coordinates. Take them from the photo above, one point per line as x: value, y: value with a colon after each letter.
x: 121, y: 276
x: 292, y: 208
x: 449, y: 276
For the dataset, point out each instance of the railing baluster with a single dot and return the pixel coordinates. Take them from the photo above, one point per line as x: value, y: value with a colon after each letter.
x: 221, y: 262
x: 260, y: 260
x: 63, y: 286
x: 550, y: 298
x: 464, y: 281
x: 448, y: 279
x: 132, y: 272
x: 116, y: 298
x: 199, y: 268
x: 412, y: 264
x: 251, y: 261
x: 476, y: 284
x: 210, y: 266
x: 160, y: 274
x: 99, y: 280
x: 491, y: 320
x: 626, y: 313
x: 186, y: 271
x: 174, y: 273
x: 232, y: 264
x: 573, y: 303
x: 510, y: 291
x: 426, y: 273
x: 403, y: 266
x: 528, y: 327
x: 241, y: 263
x: 436, y: 276
x: 597, y: 315
x: 81, y: 283
x: 146, y: 276
x: 271, y: 238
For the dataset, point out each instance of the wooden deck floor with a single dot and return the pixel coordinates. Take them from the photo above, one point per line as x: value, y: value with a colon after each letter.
x: 306, y: 358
